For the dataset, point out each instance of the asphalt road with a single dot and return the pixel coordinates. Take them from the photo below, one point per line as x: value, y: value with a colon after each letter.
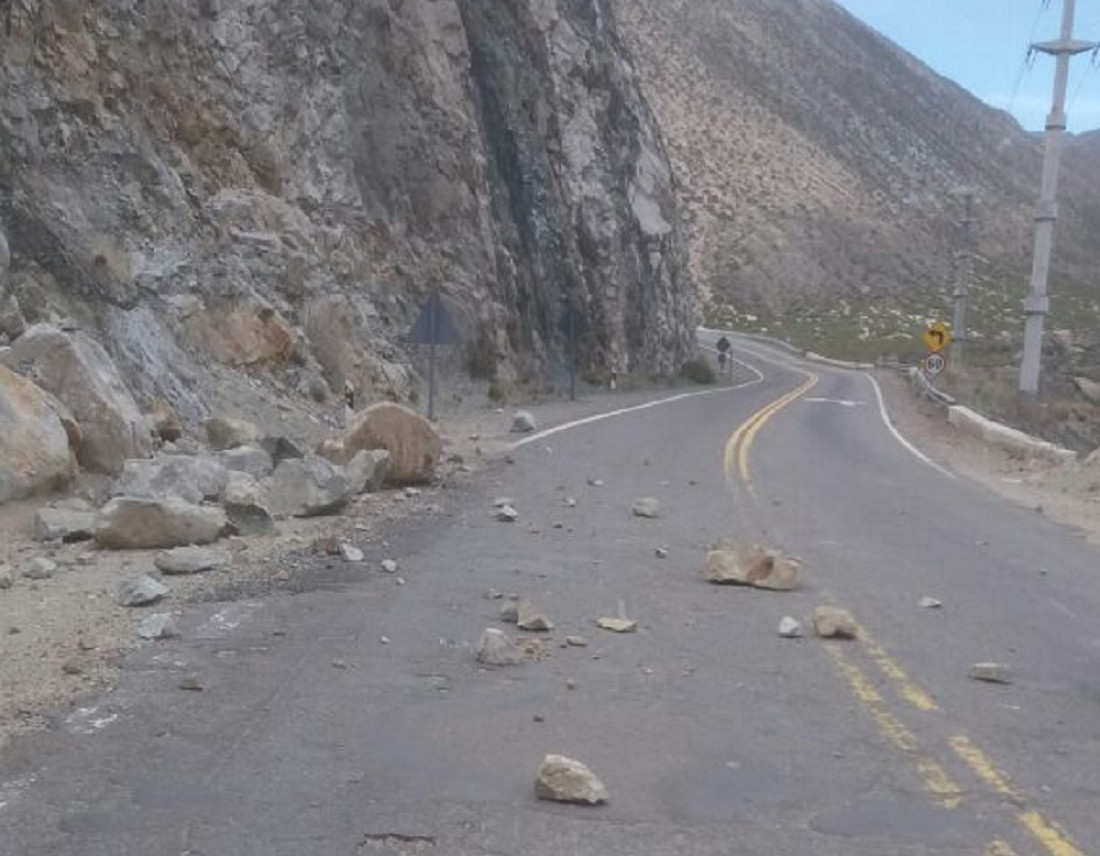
x: 714, y: 735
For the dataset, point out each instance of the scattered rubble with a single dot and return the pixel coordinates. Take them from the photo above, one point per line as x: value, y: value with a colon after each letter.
x: 160, y: 625
x: 509, y: 613
x: 646, y: 506
x: 528, y: 617
x: 617, y: 625
x: 141, y: 591
x: 523, y: 422
x: 752, y: 565
x: 790, y: 628
x: 661, y: 552
x: 351, y: 553
x: 562, y: 779
x: 190, y: 684
x: 993, y: 673
x: 929, y: 603
x: 507, y: 514
x: 63, y: 524
x: 833, y: 622
x: 389, y: 566
x: 190, y: 560
x: 576, y: 641
x: 40, y: 568
x: 496, y: 648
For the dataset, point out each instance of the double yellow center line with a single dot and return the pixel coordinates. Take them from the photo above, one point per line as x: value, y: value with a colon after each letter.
x: 736, y: 460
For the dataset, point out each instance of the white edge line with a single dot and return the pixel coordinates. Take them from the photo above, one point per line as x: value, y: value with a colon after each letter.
x: 599, y: 417
x: 884, y: 413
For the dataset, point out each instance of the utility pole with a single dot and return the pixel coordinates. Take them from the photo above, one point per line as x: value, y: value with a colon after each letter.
x: 962, y: 281
x: 1037, y: 304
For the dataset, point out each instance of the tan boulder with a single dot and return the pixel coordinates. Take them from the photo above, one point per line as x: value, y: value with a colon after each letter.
x: 224, y: 433
x: 563, y: 779
x: 752, y: 565
x: 73, y: 367
x: 833, y: 622
x: 35, y: 455
x: 245, y: 333
x: 414, y: 445
x: 133, y: 523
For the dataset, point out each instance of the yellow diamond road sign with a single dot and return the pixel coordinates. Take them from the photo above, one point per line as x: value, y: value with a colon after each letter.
x: 937, y: 337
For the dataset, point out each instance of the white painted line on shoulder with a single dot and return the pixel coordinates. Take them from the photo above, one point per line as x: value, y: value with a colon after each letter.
x: 599, y: 417
x: 885, y: 414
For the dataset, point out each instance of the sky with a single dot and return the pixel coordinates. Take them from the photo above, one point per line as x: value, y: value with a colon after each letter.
x: 982, y: 45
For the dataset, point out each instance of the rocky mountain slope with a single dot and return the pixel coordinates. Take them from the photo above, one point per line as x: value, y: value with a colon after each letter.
x: 820, y: 162
x: 247, y: 197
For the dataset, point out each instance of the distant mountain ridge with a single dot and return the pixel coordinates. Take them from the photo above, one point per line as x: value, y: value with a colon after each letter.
x: 817, y: 159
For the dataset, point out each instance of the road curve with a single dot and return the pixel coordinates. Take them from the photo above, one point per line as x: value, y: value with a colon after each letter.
x: 714, y: 735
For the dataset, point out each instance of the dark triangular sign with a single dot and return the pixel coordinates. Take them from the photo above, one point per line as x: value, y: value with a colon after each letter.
x: 434, y: 325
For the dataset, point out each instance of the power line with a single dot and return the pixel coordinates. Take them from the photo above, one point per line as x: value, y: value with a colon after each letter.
x: 1029, y: 57
x: 1084, y: 77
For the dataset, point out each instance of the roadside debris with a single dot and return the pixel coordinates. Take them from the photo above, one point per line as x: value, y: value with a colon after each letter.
x: 191, y: 684
x: 389, y: 566
x: 569, y: 502
x: 507, y: 514
x: 752, y: 565
x: 993, y: 673
x: 529, y: 617
x: 576, y: 641
x: 160, y: 625
x: 40, y: 568
x: 930, y: 603
x: 646, y: 506
x: 790, y: 628
x: 189, y: 560
x: 595, y: 482
x: 833, y: 622
x: 661, y: 552
x: 617, y: 625
x: 523, y: 422
x: 562, y: 779
x: 141, y: 591
x: 496, y: 648
x: 351, y: 553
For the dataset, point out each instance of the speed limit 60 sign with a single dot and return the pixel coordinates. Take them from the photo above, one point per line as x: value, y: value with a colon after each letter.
x: 934, y: 364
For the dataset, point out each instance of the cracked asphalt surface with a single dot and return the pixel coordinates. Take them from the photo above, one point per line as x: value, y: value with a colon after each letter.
x: 312, y: 735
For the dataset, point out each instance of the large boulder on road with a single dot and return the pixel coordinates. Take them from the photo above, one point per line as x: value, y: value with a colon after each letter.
x: 35, y: 457
x: 414, y: 445
x: 73, y: 367
x: 307, y: 487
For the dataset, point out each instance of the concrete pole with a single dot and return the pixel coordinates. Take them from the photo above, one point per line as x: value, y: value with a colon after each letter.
x: 962, y: 284
x: 1037, y: 304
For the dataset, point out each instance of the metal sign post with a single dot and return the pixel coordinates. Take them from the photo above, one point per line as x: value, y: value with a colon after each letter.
x: 433, y: 327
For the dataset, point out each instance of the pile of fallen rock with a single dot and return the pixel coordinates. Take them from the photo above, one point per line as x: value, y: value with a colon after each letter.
x: 65, y: 408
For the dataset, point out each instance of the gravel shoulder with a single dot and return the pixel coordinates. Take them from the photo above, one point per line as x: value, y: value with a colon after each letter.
x: 1067, y: 494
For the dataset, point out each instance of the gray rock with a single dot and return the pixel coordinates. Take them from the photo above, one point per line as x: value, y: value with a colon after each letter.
x: 190, y: 560
x: 351, y: 553
x: 661, y: 552
x: 993, y: 673
x: 509, y: 613
x: 523, y: 422
x: 248, y: 519
x: 502, y: 501
x: 141, y: 591
x: 752, y: 565
x: 576, y: 641
x: 12, y: 323
x: 529, y: 617
x: 308, y: 487
x: 389, y: 566
x: 368, y: 471
x: 127, y: 523
x: 243, y: 489
x: 6, y: 578
x: 61, y: 524
x: 224, y: 433
x: 78, y: 371
x: 833, y: 622
x: 790, y: 628
x: 281, y: 448
x: 507, y: 514
x: 929, y: 603
x: 192, y: 478
x: 160, y: 625
x: 617, y: 625
x: 247, y: 459
x: 496, y: 648
x: 645, y: 506
x: 564, y: 779
x: 40, y: 568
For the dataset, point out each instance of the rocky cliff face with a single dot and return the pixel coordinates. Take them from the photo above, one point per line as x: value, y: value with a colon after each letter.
x: 818, y: 160
x: 247, y: 195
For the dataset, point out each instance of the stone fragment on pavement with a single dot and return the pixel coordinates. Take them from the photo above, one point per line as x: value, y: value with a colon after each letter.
x: 160, y: 625
x: 930, y: 603
x: 507, y: 514
x: 562, y: 779
x: 646, y: 506
x: 569, y: 502
x: 133, y: 523
x: 617, y: 625
x: 523, y: 422
x: 40, y: 568
x: 141, y: 591
x: 595, y: 482
x: 389, y: 566
x: 661, y: 552
x: 510, y: 612
x: 576, y: 641
x: 752, y: 565
x: 351, y: 553
x: 496, y: 648
x: 834, y: 622
x: 63, y: 524
x: 6, y: 578
x: 993, y: 673
x: 502, y: 501
x: 190, y: 683
x: 190, y: 560
x: 529, y: 617
x: 790, y: 628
